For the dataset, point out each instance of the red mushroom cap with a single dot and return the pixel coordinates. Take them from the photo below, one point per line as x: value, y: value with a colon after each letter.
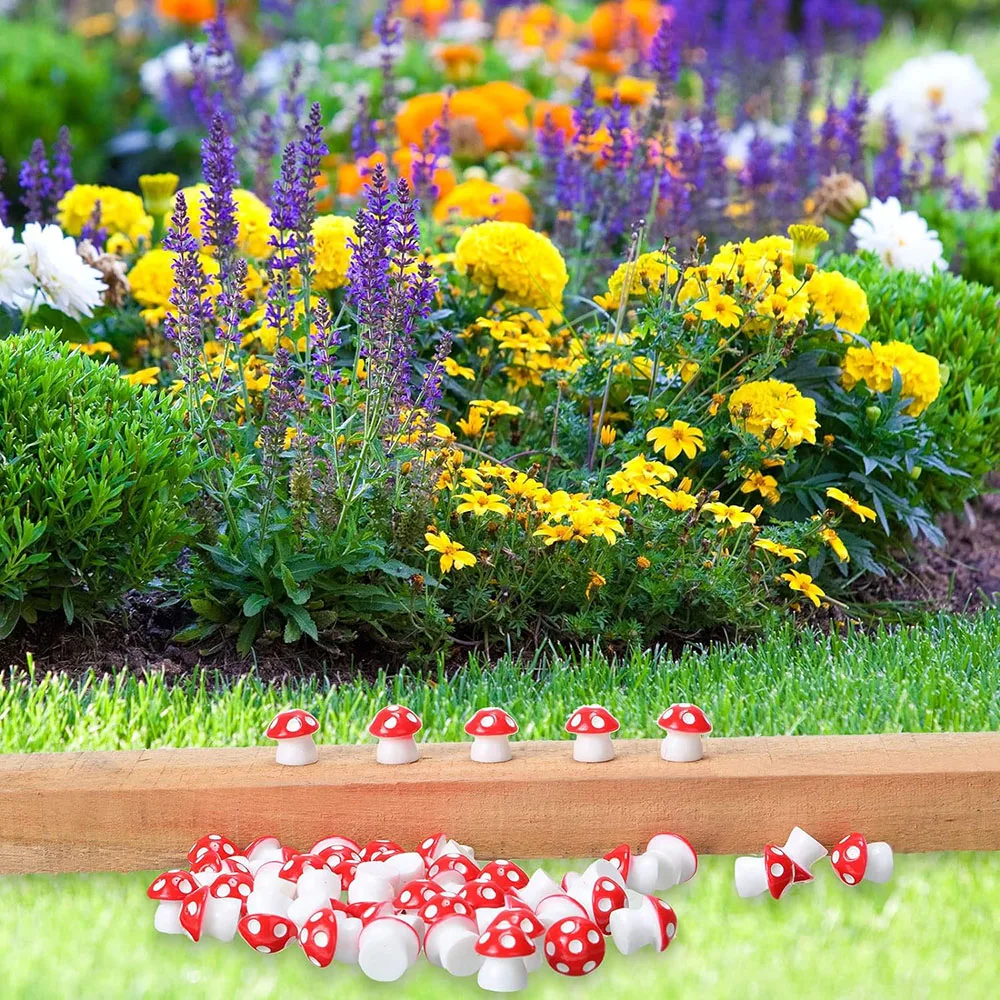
x: 367, y: 912
x: 429, y: 846
x: 346, y: 869
x: 685, y: 718
x: 414, y: 894
x: 318, y: 937
x: 504, y: 872
x: 336, y: 843
x: 458, y: 863
x: 379, y: 850
x: 491, y: 722
x: 192, y: 914
x: 234, y: 886
x: 222, y: 846
x: 271, y: 842
x: 667, y: 919
x: 590, y: 720
x: 394, y: 722
x: 483, y: 895
x: 505, y: 942
x: 574, y: 946
x: 850, y: 858
x: 621, y: 858
x: 287, y: 853
x: 442, y: 905
x: 234, y: 866
x: 520, y: 917
x: 291, y: 870
x: 172, y: 886
x: 210, y: 862
x: 782, y: 871
x: 334, y: 856
x: 291, y: 723
x: 607, y: 897
x: 266, y: 932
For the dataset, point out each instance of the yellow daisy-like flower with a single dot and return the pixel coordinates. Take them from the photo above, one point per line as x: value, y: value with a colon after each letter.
x: 648, y: 272
x: 836, y: 543
x: 778, y: 549
x: 678, y: 437
x: 594, y: 584
x: 677, y: 500
x: 497, y: 407
x: 731, y: 514
x: 455, y: 370
x: 803, y: 584
x: 766, y: 486
x: 145, y: 376
x: 720, y: 308
x: 453, y: 554
x: 479, y: 502
x: 474, y: 424
x: 865, y: 513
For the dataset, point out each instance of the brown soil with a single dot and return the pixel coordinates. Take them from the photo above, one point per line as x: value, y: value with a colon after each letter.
x: 962, y: 576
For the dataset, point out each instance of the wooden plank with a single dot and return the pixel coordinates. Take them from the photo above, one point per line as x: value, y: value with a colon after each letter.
x: 138, y: 810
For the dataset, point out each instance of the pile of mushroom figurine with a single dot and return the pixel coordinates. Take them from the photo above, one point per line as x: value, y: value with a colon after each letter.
x: 380, y: 907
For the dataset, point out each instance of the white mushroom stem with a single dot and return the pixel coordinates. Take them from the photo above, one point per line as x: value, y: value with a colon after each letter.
x: 804, y: 849
x: 167, y: 919
x: 681, y: 748
x: 490, y: 749
x: 406, y: 867
x: 635, y: 928
x: 318, y: 882
x: 268, y: 876
x: 296, y: 751
x: 880, y: 862
x: 305, y: 905
x: 652, y: 872
x: 387, y: 948
x: 348, y: 932
x: 372, y: 883
x: 450, y: 881
x: 268, y: 899
x: 540, y: 885
x: 454, y: 847
x: 503, y: 975
x: 534, y: 962
x: 593, y: 748
x: 485, y: 916
x: 556, y: 907
x: 751, y: 877
x: 679, y: 853
x: 450, y: 944
x: 221, y: 917
x: 397, y: 750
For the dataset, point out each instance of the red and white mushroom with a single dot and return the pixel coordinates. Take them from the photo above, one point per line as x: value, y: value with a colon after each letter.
x: 491, y: 729
x: 414, y: 894
x: 487, y: 899
x: 559, y: 906
x: 804, y: 849
x: 262, y: 850
x: 226, y: 903
x: 335, y: 844
x: 387, y: 948
x: 574, y: 947
x: 685, y: 725
x: 318, y: 937
x: 452, y: 871
x: 773, y: 873
x: 678, y: 860
x: 192, y: 915
x: 652, y: 923
x: 506, y: 873
x: 540, y: 885
x: 395, y: 726
x: 222, y: 846
x: 606, y: 897
x: 523, y: 917
x: 294, y: 729
x: 504, y: 951
x: 592, y: 725
x: 266, y: 932
x: 169, y: 891
x: 855, y: 860
x: 451, y: 936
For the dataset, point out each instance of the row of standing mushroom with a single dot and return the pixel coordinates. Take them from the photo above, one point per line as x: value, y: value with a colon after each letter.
x: 395, y: 727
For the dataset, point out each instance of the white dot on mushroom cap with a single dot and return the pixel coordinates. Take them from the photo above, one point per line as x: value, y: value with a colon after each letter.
x: 550, y: 948
x: 311, y: 720
x: 776, y: 870
x: 852, y: 853
x: 526, y: 925
x: 568, y: 926
x: 322, y: 939
x: 575, y: 721
x: 253, y: 926
x: 777, y: 850
x: 315, y: 961
x: 485, y: 938
x: 835, y: 857
x: 280, y: 930
x: 315, y: 917
x: 688, y: 717
x: 488, y: 721
x: 192, y: 907
x: 575, y: 947
x: 304, y: 935
x: 390, y: 723
x: 604, y: 905
x: 512, y: 876
x: 294, y: 725
x: 489, y: 893
x: 671, y: 930
x: 593, y: 937
x: 411, y: 717
x: 394, y: 708
x: 849, y: 879
x: 264, y: 948
x: 562, y: 967
x: 431, y: 912
x: 597, y: 722
x: 222, y: 891
x: 607, y: 885
x: 159, y: 884
x: 510, y: 721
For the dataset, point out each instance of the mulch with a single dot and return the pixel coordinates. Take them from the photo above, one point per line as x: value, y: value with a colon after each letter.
x: 963, y: 577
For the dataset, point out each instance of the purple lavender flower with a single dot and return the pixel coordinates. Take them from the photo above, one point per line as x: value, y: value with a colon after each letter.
x: 993, y: 197
x: 36, y: 183
x: 363, y: 141
x: 62, y: 167
x: 324, y: 341
x: 390, y: 33
x: 264, y: 148
x: 887, y: 170
x: 939, y: 163
x: 4, y: 207
x: 368, y: 271
x: 218, y: 207
x: 664, y: 59
x: 93, y: 232
x: 227, y: 73
x: 855, y: 115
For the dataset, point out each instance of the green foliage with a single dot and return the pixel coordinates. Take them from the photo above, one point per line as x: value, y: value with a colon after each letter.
x: 959, y: 323
x: 91, y: 475
x: 970, y: 240
x: 49, y: 78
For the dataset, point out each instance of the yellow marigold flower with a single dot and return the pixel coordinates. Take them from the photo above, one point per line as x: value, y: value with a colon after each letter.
x: 721, y: 308
x: 513, y: 260
x: 608, y: 436
x: 865, y: 513
x: 766, y: 486
x: 679, y: 500
x: 497, y: 407
x: 678, y: 437
x: 480, y: 199
x: 145, y: 376
x: 775, y: 412
x: 640, y: 477
x: 98, y: 347
x: 920, y: 373
x: 647, y: 276
x: 158, y: 192
x: 836, y: 543
x: 805, y: 239
x: 474, y: 424
x: 455, y: 370
x: 479, y: 502
x: 838, y: 301
x: 122, y: 212
x: 803, y: 584
x: 333, y: 252
x: 594, y: 584
x: 552, y: 533
x: 522, y: 485
x: 778, y: 549
x: 453, y: 554
x: 731, y: 514
x: 152, y: 278
x: 253, y: 220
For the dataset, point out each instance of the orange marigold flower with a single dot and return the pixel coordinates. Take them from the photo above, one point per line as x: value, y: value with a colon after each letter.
x: 186, y: 11
x: 479, y: 199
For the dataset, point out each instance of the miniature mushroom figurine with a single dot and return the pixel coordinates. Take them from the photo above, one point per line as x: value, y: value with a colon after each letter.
x: 491, y: 729
x: 169, y: 890
x: 592, y: 725
x: 293, y: 729
x: 504, y: 950
x: 653, y: 923
x: 854, y: 860
x: 451, y: 935
x: 685, y: 725
x: 387, y: 947
x: 318, y: 936
x: 267, y: 933
x: 394, y: 727
x: 773, y: 873
x: 574, y: 946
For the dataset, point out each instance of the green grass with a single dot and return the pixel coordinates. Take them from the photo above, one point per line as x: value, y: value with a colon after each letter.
x: 930, y: 933
x: 942, y: 676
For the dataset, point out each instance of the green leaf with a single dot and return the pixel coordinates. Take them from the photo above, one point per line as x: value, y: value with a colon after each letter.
x: 254, y: 604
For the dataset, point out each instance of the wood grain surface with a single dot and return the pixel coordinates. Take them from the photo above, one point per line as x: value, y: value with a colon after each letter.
x: 138, y: 810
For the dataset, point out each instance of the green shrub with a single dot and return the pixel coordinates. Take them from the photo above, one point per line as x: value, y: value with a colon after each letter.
x: 91, y: 474
x: 970, y: 240
x: 959, y: 323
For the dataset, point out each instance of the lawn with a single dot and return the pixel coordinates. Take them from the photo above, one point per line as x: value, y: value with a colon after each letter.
x: 929, y: 930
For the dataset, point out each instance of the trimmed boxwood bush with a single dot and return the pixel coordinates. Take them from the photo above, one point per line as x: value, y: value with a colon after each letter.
x: 971, y: 240
x: 957, y: 321
x: 92, y: 476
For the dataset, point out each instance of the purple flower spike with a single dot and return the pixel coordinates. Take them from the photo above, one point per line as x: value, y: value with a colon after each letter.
x: 993, y: 197
x: 218, y: 207
x: 62, y: 167
x: 264, y: 146
x: 36, y: 184
x: 4, y: 207
x: 887, y: 170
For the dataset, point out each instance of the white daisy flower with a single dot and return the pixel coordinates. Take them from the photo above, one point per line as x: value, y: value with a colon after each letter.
x: 16, y: 282
x: 902, y: 240
x: 64, y: 281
